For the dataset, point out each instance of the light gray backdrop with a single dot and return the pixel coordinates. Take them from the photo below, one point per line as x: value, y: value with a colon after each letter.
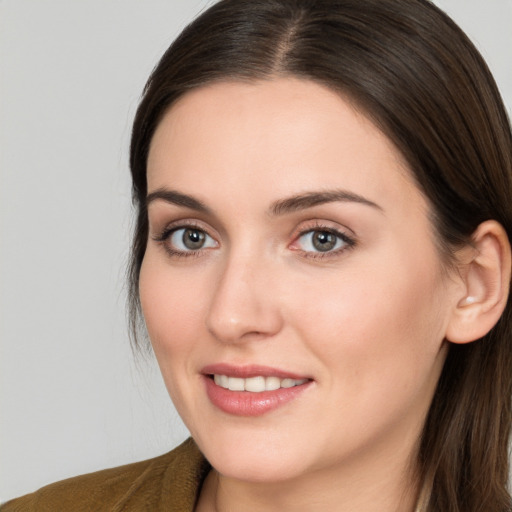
x: 73, y: 399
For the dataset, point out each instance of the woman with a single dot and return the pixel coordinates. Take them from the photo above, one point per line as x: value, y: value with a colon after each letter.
x: 322, y: 261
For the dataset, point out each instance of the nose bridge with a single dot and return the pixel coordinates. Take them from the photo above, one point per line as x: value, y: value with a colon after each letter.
x: 242, y: 305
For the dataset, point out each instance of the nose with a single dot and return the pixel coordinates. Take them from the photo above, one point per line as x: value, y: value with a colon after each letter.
x: 244, y: 305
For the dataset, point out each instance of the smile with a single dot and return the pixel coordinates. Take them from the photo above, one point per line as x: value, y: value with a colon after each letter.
x: 257, y: 384
x: 252, y: 390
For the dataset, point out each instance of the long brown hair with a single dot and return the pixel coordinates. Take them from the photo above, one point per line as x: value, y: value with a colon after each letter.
x: 421, y: 81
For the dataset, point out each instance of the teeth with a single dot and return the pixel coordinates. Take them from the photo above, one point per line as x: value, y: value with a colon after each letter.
x: 272, y: 383
x: 255, y: 384
x: 287, y: 383
x: 221, y: 380
x: 235, y: 384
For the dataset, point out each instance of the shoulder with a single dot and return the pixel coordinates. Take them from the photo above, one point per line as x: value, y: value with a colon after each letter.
x: 168, y: 482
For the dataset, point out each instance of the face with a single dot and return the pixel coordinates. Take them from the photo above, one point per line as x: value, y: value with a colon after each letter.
x: 291, y: 286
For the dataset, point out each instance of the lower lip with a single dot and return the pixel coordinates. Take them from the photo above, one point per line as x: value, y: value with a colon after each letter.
x: 246, y: 403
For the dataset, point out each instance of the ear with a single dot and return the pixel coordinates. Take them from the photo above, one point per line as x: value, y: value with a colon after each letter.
x: 486, y: 281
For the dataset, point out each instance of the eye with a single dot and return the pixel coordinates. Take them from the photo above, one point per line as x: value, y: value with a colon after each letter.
x: 189, y: 239
x: 322, y: 241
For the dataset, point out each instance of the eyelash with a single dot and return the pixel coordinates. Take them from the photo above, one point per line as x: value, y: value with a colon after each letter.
x: 164, y: 237
x: 349, y: 242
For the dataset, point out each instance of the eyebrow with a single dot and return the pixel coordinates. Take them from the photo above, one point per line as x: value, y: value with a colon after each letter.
x: 177, y: 198
x: 310, y: 199
x: 280, y: 207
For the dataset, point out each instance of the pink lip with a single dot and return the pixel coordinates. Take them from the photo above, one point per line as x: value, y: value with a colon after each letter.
x: 247, y: 371
x: 244, y: 403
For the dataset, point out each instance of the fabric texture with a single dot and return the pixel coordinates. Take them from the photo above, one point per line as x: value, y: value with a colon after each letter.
x: 170, y: 482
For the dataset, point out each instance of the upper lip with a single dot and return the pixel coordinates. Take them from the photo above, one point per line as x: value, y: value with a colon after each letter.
x: 247, y: 371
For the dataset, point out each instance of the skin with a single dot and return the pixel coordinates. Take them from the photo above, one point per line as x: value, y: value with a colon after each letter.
x: 366, y: 322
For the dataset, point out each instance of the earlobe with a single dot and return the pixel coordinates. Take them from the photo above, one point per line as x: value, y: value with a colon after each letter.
x: 486, y: 279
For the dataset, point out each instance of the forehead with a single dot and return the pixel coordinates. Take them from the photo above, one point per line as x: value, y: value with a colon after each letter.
x: 287, y: 133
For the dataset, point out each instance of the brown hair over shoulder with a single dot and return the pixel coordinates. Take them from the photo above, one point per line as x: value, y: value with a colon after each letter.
x: 415, y: 74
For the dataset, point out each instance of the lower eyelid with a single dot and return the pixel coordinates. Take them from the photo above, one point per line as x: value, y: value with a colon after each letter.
x: 164, y: 237
x: 173, y: 249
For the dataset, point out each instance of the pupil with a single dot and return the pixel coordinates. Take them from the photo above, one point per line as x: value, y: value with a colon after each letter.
x: 323, y: 241
x: 193, y: 238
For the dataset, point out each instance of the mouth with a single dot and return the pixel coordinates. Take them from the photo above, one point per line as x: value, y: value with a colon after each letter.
x: 257, y: 384
x: 251, y: 390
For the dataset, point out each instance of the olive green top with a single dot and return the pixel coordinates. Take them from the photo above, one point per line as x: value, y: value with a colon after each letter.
x: 168, y: 483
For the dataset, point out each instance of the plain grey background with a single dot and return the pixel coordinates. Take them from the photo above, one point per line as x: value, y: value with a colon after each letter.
x: 73, y: 399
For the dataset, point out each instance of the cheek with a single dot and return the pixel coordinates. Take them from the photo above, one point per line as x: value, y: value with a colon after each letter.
x: 375, y: 327
x: 379, y: 344
x: 172, y: 308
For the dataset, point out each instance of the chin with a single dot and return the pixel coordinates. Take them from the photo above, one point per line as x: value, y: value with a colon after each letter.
x: 254, y: 458
x: 269, y: 468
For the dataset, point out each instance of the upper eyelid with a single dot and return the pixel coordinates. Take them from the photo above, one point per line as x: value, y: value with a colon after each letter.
x: 338, y: 232
x: 165, y: 235
x: 301, y: 229
x: 169, y: 230
x: 180, y: 224
x: 159, y: 209
x: 326, y: 225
